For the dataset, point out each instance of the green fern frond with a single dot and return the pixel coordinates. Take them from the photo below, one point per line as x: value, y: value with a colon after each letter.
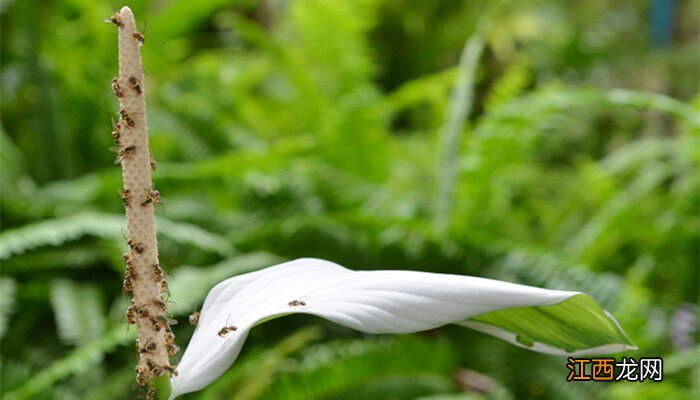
x: 647, y: 181
x: 7, y: 302
x: 80, y: 359
x: 11, y: 163
x: 332, y: 36
x: 78, y: 311
x: 68, y: 257
x: 430, y: 89
x: 555, y: 102
x: 255, y: 372
x: 459, y: 396
x: 461, y: 104
x: 195, y: 236
x: 547, y: 269
x: 58, y: 231
x: 188, y: 286
x: 509, y: 86
x: 338, y: 369
x: 180, y: 17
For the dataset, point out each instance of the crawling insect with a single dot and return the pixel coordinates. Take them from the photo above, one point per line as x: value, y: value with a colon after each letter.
x: 128, y: 260
x: 152, y: 197
x: 116, y: 88
x: 172, y: 369
x: 115, y: 19
x: 296, y: 303
x: 116, y: 132
x: 139, y: 37
x: 149, y: 347
x: 126, y: 196
x: 135, y: 84
x: 123, y: 152
x: 129, y: 273
x: 130, y: 314
x: 154, y: 164
x: 127, y: 286
x: 141, y: 378
x: 164, y: 287
x: 194, y: 318
x: 169, y: 336
x: 155, y: 369
x: 160, y: 304
x: 137, y: 247
x: 125, y: 117
x: 142, y: 312
x: 226, y: 329
x: 172, y: 350
x: 157, y: 324
x: 160, y: 275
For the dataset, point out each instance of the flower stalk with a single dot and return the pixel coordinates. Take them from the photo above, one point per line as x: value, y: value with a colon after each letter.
x: 144, y: 279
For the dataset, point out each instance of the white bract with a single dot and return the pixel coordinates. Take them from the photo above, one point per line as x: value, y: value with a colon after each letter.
x: 549, y: 321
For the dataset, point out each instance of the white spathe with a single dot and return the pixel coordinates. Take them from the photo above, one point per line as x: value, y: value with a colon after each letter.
x: 368, y: 301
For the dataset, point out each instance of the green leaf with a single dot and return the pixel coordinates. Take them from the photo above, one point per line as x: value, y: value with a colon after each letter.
x: 7, y: 299
x: 78, y: 310
x: 577, y: 323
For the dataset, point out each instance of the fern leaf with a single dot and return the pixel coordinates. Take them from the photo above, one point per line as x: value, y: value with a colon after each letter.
x: 61, y: 230
x: 341, y: 368
x: 637, y: 190
x: 509, y: 86
x: 58, y: 231
x: 188, y: 285
x: 78, y: 311
x: 7, y: 300
x: 451, y: 132
x: 193, y: 235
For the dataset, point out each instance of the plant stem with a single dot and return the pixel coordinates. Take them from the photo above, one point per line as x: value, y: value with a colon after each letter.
x: 144, y: 278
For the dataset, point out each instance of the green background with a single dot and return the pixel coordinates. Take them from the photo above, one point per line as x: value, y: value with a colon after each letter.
x: 316, y: 128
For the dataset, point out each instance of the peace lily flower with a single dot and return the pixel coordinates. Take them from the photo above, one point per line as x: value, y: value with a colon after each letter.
x: 549, y: 321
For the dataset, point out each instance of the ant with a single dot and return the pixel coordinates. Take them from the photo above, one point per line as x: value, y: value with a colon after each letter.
x: 296, y: 303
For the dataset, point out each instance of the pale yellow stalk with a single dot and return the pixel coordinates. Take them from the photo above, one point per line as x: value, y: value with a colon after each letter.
x: 144, y: 278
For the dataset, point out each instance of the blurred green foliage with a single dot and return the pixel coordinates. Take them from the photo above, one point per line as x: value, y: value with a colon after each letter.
x: 313, y: 128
